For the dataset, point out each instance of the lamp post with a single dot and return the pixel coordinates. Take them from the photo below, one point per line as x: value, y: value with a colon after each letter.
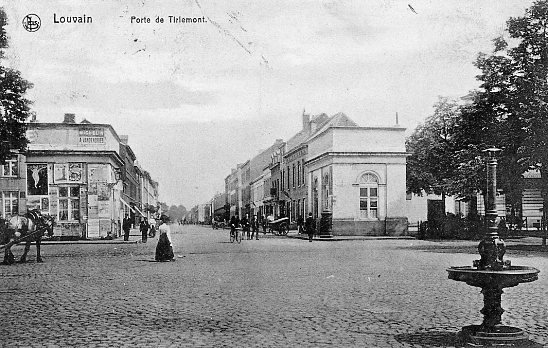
x: 492, y: 274
x: 491, y: 248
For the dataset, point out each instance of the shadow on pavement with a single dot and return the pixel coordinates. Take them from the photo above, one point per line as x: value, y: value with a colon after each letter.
x: 433, y: 338
x: 527, y: 247
x: 470, y: 247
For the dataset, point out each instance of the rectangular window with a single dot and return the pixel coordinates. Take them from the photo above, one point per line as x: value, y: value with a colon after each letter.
x: 69, y: 203
x: 299, y: 173
x: 10, y: 169
x: 10, y: 204
x: 368, y: 202
x: 288, y: 172
x: 302, y: 168
x: 373, y: 209
x: 293, y: 175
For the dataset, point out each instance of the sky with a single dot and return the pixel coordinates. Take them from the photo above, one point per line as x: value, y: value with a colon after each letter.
x: 195, y: 99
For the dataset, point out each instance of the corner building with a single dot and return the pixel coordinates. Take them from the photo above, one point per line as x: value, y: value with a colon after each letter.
x: 358, y: 174
x: 74, y: 174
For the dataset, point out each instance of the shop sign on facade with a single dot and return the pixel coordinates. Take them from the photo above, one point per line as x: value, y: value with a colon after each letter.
x: 91, y: 136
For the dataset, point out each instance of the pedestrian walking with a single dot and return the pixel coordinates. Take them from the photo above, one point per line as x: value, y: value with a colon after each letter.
x: 126, y: 226
x: 300, y: 224
x: 264, y: 224
x: 310, y: 226
x: 143, y: 227
x: 164, y: 248
x: 255, y: 227
x: 152, y: 227
x: 245, y: 226
x: 233, y: 225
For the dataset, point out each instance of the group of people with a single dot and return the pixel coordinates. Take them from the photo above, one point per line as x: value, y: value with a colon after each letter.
x: 164, y: 249
x: 250, y: 227
x: 146, y: 227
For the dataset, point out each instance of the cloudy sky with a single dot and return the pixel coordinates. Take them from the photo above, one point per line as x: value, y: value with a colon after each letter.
x: 195, y: 99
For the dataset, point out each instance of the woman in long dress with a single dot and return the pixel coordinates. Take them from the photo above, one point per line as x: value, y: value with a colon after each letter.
x: 164, y: 249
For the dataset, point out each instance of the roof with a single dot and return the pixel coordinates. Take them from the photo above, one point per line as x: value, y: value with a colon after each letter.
x: 322, y: 122
x: 303, y: 135
x: 337, y: 120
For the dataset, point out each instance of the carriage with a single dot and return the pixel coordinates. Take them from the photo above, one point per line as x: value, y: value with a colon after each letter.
x: 279, y: 227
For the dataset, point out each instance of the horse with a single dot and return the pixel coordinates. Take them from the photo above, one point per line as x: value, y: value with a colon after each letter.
x: 29, y: 228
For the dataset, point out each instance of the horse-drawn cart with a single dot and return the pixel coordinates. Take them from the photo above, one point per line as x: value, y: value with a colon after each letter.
x: 279, y: 227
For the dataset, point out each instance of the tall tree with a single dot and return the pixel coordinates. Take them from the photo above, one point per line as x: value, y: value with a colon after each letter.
x: 515, y: 83
x: 431, y: 166
x: 14, y: 107
x: 530, y: 58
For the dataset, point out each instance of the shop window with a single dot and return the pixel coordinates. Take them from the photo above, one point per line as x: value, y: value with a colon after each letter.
x: 69, y: 203
x: 10, y: 169
x: 10, y: 204
x: 369, y: 196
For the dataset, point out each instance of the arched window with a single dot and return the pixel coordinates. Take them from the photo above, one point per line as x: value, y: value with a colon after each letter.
x: 369, y: 196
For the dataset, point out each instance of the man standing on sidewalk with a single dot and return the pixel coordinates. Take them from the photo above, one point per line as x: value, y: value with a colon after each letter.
x: 245, y: 226
x: 143, y: 227
x: 310, y: 226
x: 126, y: 226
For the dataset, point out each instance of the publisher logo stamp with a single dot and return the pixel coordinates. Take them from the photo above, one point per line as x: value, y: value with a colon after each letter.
x: 31, y: 22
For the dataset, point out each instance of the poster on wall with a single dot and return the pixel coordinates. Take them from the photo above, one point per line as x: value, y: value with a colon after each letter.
x: 97, y: 172
x: 93, y: 229
x: 44, y: 204
x: 103, y: 209
x: 92, y: 207
x: 53, y: 201
x: 104, y: 227
x: 67, y: 172
x: 34, y: 203
x: 60, y: 172
x: 37, y: 179
x: 103, y: 192
x: 92, y: 188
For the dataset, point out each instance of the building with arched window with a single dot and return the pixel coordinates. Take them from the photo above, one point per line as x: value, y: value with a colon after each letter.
x: 358, y: 175
x: 355, y: 174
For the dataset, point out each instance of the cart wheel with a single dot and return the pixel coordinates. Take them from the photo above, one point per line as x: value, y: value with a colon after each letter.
x: 284, y: 229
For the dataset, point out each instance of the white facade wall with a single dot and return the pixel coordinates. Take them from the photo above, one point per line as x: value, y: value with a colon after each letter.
x: 343, y: 155
x: 417, y: 206
x: 70, y: 137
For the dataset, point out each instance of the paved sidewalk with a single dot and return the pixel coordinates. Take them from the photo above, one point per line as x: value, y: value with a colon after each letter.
x: 294, y: 234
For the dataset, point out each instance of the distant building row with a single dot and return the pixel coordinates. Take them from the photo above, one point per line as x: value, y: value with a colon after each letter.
x: 356, y: 174
x: 83, y: 174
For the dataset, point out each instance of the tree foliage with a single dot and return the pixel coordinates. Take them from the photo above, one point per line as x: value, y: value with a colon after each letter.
x: 14, y: 107
x: 508, y: 111
x: 431, y: 166
x: 176, y: 212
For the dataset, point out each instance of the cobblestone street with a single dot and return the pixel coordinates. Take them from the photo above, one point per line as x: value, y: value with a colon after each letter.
x: 274, y: 292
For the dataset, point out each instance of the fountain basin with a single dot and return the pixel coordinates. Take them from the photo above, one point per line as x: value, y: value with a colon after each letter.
x: 505, y: 278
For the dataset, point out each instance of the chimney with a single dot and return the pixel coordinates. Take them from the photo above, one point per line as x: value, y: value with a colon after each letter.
x: 69, y: 118
x: 124, y: 139
x: 306, y: 122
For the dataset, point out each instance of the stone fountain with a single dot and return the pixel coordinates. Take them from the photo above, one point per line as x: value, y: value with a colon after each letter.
x: 492, y: 274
